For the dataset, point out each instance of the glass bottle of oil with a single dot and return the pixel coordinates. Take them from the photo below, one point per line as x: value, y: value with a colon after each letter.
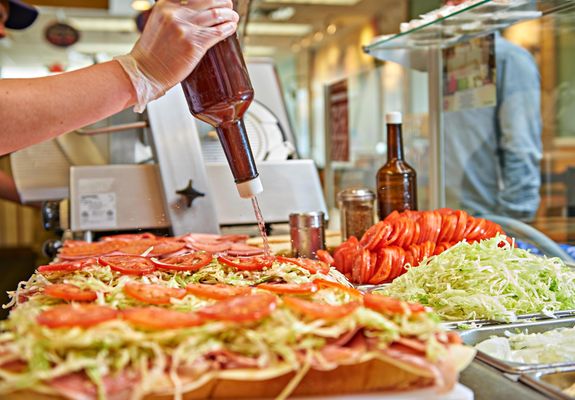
x: 396, y: 180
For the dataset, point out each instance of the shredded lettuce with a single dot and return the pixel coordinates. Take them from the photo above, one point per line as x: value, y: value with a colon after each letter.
x: 487, y: 280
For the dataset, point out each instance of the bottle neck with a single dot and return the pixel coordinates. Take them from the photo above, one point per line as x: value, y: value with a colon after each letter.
x: 236, y: 145
x: 394, y: 142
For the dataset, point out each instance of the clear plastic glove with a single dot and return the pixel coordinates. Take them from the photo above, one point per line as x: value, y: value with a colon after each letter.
x: 176, y: 36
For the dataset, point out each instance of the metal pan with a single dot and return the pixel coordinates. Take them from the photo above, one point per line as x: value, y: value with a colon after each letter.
x: 521, y: 319
x: 551, y: 382
x: 474, y: 336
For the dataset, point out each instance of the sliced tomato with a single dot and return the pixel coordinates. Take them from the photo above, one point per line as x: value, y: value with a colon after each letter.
x: 397, y: 230
x: 74, y: 315
x: 158, y: 247
x: 289, y: 288
x: 313, y: 266
x: 160, y: 318
x: 128, y: 265
x: 389, y: 305
x: 60, y: 267
x: 393, y: 215
x: 69, y: 292
x: 185, y: 262
x: 448, y: 228
x: 360, y: 264
x: 340, y: 254
x: 241, y: 309
x: 255, y: 263
x: 397, y: 267
x: 477, y: 232
x: 435, y: 226
x: 86, y: 250
x: 324, y: 283
x: 373, y: 235
x: 218, y: 291
x: 320, y: 310
x: 152, y: 293
x: 323, y: 255
x: 384, y: 265
x: 460, y: 226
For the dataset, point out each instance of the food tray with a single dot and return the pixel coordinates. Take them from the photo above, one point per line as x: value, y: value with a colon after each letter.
x: 474, y: 336
x: 521, y: 319
x: 551, y: 382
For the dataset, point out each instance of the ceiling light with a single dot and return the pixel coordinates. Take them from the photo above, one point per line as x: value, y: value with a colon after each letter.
x: 318, y: 36
x: 141, y: 5
x: 103, y: 24
x: 331, y: 29
x: 278, y: 29
x: 317, y: 2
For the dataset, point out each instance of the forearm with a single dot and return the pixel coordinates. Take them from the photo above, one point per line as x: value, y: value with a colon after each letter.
x: 34, y: 110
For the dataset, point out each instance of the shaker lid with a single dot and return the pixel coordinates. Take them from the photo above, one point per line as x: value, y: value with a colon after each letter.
x: 314, y: 219
x: 355, y: 194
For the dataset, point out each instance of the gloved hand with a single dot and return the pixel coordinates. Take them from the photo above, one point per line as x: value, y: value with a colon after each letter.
x: 177, y: 35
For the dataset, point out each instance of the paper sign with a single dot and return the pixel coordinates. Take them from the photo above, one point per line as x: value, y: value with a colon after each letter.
x: 98, y: 211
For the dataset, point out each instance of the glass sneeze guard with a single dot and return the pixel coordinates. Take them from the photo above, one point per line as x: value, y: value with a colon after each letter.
x: 458, y: 24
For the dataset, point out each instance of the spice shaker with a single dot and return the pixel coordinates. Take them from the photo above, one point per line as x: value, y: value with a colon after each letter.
x: 356, y: 211
x: 307, y: 233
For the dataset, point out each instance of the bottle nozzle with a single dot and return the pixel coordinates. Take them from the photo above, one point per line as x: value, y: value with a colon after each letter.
x: 251, y: 188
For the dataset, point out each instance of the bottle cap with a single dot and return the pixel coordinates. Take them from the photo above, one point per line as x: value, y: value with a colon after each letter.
x: 314, y: 219
x: 393, y: 117
x: 249, y: 189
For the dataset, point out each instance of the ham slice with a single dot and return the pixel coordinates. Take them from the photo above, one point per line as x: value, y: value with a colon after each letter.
x: 244, y: 250
x: 78, y: 386
x: 226, y: 359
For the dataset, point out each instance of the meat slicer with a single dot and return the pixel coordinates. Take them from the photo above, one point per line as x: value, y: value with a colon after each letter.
x: 176, y: 179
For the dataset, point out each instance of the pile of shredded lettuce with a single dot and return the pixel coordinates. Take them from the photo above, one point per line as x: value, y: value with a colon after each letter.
x: 116, y: 346
x: 487, y: 280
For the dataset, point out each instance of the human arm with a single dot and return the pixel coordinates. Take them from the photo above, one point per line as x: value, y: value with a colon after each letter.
x: 34, y: 110
x: 175, y: 39
x: 519, y: 119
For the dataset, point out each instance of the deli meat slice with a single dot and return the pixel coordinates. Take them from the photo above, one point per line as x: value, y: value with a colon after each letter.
x: 244, y: 250
x: 78, y: 386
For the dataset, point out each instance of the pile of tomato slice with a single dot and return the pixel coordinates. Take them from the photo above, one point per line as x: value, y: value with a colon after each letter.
x: 234, y: 304
x: 407, y: 238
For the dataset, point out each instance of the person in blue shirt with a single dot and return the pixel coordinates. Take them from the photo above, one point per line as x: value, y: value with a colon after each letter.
x: 493, y: 154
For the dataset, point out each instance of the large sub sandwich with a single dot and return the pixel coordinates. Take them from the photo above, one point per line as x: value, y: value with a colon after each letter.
x: 190, y: 325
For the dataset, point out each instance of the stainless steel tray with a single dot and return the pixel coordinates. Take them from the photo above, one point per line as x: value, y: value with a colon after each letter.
x: 474, y: 336
x: 551, y: 382
x: 521, y: 319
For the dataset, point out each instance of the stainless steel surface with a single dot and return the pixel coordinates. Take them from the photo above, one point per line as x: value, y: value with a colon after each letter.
x: 551, y: 382
x: 475, y: 336
x: 179, y: 156
x: 307, y: 233
x: 521, y: 319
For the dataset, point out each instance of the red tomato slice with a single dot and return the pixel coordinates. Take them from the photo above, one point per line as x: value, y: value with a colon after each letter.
x: 323, y: 255
x: 397, y: 230
x: 324, y: 283
x: 241, y: 309
x: 460, y: 226
x: 445, y: 211
x: 397, y: 267
x: 339, y: 256
x: 159, y: 247
x: 68, y: 292
x: 373, y: 235
x: 186, y: 262
x: 359, y: 266
x: 73, y: 315
x: 448, y: 228
x: 160, y: 318
x: 319, y: 310
x: 478, y: 230
x: 389, y: 305
x: 60, y: 267
x: 416, y: 239
x: 384, y: 266
x: 312, y: 266
x: 256, y: 263
x: 289, y: 288
x: 128, y: 265
x: 434, y: 226
x: 393, y: 215
x: 86, y: 250
x: 153, y: 294
x: 218, y: 291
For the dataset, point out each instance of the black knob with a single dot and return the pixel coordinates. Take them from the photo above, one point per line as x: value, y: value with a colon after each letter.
x: 190, y: 193
x: 51, y: 215
x: 50, y: 248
